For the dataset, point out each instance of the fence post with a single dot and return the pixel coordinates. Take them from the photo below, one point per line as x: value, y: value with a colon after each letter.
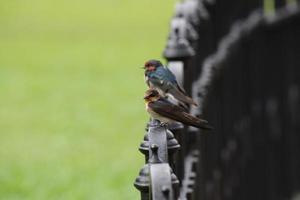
x: 156, y: 179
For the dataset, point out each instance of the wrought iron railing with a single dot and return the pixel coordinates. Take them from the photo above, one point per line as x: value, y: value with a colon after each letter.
x: 243, y: 68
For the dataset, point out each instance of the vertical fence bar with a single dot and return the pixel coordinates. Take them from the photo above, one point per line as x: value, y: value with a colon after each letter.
x: 279, y: 4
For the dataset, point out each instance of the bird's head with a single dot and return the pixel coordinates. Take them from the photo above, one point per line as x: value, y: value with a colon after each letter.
x: 151, y: 65
x: 151, y: 95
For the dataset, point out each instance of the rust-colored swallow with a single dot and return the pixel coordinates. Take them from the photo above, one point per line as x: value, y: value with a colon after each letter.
x: 161, y: 109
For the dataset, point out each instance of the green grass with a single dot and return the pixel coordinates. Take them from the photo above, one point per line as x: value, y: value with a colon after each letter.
x: 71, y: 109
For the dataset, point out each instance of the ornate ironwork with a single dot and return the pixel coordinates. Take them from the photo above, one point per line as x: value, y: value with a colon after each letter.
x: 242, y: 67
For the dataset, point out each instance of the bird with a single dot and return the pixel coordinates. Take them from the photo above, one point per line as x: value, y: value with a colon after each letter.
x: 163, y: 110
x: 164, y: 81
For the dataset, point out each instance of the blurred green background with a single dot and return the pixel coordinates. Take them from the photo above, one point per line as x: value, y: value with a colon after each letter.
x: 71, y: 108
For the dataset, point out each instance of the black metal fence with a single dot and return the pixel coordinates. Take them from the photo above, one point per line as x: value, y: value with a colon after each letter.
x: 243, y: 68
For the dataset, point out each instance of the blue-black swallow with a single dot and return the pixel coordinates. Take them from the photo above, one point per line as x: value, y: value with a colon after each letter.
x: 161, y: 109
x: 164, y: 81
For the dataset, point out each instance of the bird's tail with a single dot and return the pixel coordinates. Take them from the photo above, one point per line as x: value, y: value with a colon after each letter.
x: 196, y: 122
x: 203, y: 124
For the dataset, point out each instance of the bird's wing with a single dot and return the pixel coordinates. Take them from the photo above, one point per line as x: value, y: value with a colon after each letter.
x: 162, y: 85
x: 180, y: 89
x: 174, y: 112
x: 180, y: 95
x: 170, y: 75
x: 163, y: 78
x: 164, y: 74
x: 173, y: 80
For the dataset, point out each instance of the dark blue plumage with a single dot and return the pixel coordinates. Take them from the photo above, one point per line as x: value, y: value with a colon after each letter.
x: 164, y: 81
x: 162, y: 73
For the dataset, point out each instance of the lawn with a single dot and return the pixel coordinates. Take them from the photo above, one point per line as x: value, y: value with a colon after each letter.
x: 71, y: 109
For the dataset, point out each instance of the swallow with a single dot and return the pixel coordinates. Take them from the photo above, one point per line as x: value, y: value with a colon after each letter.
x: 164, y: 81
x: 161, y: 109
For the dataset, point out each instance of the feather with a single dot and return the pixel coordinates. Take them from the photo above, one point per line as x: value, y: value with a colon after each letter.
x: 168, y: 110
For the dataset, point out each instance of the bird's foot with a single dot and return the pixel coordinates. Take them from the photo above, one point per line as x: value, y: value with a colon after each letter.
x: 163, y: 124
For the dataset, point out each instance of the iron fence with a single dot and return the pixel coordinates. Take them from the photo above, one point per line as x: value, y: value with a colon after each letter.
x: 243, y: 68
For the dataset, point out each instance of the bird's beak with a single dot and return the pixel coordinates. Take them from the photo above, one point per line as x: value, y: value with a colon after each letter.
x: 145, y: 97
